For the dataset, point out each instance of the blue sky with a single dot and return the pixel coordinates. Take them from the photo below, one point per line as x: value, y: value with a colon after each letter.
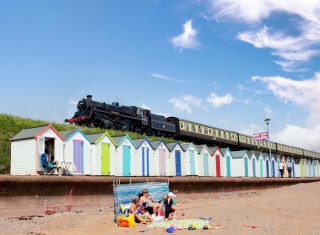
x: 227, y: 63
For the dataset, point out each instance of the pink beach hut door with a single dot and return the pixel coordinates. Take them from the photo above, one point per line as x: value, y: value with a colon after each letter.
x: 78, y: 155
x: 162, y: 162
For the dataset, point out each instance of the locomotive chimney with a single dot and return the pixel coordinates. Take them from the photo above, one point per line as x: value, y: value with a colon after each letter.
x: 89, y: 97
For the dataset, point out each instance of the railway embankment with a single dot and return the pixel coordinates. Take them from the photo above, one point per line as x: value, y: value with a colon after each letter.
x: 38, y: 195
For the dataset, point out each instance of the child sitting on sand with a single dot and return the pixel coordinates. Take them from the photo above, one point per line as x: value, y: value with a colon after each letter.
x: 168, y: 201
x: 139, y: 214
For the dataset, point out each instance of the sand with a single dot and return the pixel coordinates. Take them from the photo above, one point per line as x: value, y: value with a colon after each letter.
x: 287, y: 210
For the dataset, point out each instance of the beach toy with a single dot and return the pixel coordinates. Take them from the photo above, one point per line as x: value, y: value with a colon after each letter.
x: 205, y: 227
x: 170, y: 230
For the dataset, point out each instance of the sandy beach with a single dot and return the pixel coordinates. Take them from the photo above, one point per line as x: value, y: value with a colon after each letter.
x: 286, y: 210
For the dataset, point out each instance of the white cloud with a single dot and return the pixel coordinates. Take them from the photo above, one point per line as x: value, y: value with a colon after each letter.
x: 145, y: 106
x: 218, y: 101
x: 267, y: 111
x: 166, y: 78
x: 73, y: 101
x: 305, y: 138
x: 304, y: 93
x: 187, y: 39
x: 292, y: 49
x: 243, y: 89
x: 186, y: 103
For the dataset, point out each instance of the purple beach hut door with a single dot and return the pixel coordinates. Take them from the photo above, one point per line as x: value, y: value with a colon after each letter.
x: 78, y: 155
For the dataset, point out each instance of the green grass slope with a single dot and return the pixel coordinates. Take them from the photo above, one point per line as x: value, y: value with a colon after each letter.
x: 11, y: 125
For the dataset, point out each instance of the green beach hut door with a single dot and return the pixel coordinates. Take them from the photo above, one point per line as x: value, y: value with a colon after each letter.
x: 126, y: 160
x: 261, y: 167
x: 228, y: 166
x: 246, y: 167
x: 105, y: 159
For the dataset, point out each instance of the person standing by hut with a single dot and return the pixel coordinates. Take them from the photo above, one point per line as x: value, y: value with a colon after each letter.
x: 281, y: 169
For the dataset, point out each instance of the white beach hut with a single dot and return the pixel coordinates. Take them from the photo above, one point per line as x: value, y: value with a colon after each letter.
x: 191, y: 163
x: 103, y: 155
x: 149, y: 165
x: 161, y: 153
x: 126, y: 157
x: 217, y: 163
x: 253, y: 163
x: 240, y: 164
x: 228, y: 158
x: 175, y: 164
x: 29, y: 144
x: 203, y: 160
x: 77, y: 150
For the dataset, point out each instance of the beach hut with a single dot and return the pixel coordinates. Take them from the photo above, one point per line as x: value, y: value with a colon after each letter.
x: 261, y: 164
x: 77, y: 150
x: 296, y: 162
x: 144, y: 157
x: 126, y: 156
x: 161, y: 154
x: 227, y: 161
x: 29, y: 144
x: 267, y: 167
x: 190, y: 159
x: 309, y: 168
x: 252, y: 163
x: 203, y: 160
x: 103, y: 155
x: 273, y: 164
x: 176, y: 161
x: 277, y: 162
x: 240, y: 163
x: 217, y: 161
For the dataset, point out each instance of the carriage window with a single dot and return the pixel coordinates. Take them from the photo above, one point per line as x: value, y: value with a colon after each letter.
x: 200, y: 130
x: 210, y: 132
x: 206, y: 131
x: 193, y: 129
x: 186, y: 126
x: 181, y: 125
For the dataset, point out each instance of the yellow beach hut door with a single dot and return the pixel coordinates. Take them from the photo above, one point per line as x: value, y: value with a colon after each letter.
x: 105, y: 159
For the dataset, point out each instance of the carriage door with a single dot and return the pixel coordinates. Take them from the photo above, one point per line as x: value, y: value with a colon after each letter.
x: 105, y: 159
x: 246, y: 167
x: 228, y: 166
x: 205, y: 164
x: 192, y: 163
x: 218, y: 174
x: 178, y: 162
x: 78, y: 155
x: 253, y: 167
x: 162, y: 162
x: 126, y: 160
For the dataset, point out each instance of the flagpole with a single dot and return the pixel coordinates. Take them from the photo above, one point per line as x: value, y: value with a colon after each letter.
x: 267, y: 121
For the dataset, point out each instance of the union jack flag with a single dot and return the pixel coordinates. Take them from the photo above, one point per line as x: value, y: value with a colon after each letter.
x: 261, y: 136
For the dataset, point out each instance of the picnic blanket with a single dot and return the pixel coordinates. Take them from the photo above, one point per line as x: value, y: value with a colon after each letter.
x: 197, y: 223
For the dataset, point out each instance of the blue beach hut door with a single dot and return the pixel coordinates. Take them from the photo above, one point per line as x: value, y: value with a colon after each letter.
x: 192, y: 163
x: 253, y: 167
x: 272, y: 168
x: 126, y: 160
x: 178, y: 162
x: 267, y: 167
x: 228, y: 166
x: 246, y: 167
x: 205, y: 164
x: 145, y: 161
x: 293, y: 171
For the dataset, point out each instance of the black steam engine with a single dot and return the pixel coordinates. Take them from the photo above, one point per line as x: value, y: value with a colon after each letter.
x: 128, y: 118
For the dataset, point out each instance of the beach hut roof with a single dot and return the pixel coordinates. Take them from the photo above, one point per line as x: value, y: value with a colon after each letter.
x: 97, y: 137
x: 201, y: 147
x: 239, y: 154
x: 69, y: 134
x: 225, y: 150
x: 171, y: 146
x: 120, y: 139
x: 213, y: 149
x: 34, y: 132
x: 185, y: 146
x: 156, y: 143
x: 139, y: 142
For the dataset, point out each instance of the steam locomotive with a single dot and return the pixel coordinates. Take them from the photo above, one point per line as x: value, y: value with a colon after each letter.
x: 127, y: 118
x: 131, y: 118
